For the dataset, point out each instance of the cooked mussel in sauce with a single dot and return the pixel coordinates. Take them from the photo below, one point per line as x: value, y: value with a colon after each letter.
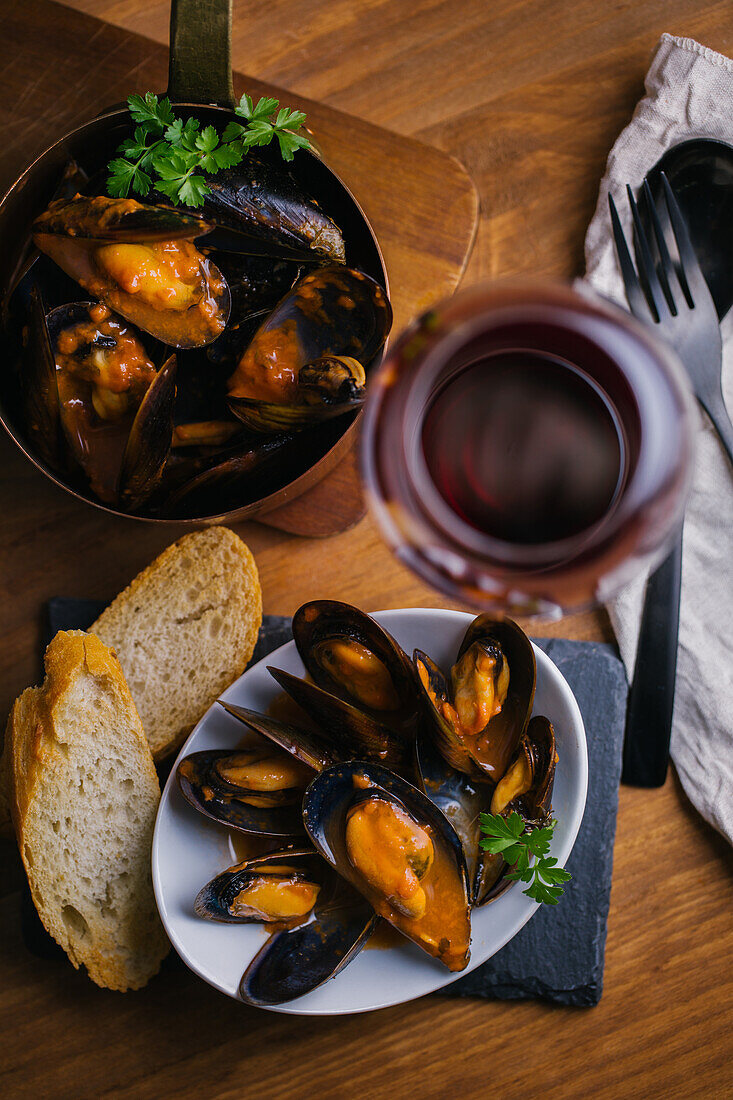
x: 115, y: 410
x: 141, y: 261
x: 263, y: 777
x: 281, y: 888
x: 479, y: 714
x: 350, y: 655
x: 255, y: 791
x: 526, y: 789
x: 332, y: 322
x: 391, y: 851
x: 359, y: 671
x: 398, y: 850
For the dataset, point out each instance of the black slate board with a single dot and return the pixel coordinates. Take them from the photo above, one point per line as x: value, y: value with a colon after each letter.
x: 558, y: 956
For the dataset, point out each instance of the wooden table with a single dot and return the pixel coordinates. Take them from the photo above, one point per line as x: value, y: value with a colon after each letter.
x: 529, y: 94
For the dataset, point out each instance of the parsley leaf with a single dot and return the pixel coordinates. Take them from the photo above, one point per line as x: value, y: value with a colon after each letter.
x: 147, y: 109
x: 509, y: 837
x: 171, y: 154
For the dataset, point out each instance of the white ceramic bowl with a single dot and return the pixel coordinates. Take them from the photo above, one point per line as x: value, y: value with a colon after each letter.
x: 189, y: 849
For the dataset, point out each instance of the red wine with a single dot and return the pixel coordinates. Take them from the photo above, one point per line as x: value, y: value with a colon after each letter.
x: 524, y: 447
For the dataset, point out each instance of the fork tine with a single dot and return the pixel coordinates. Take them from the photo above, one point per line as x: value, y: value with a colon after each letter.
x: 677, y: 302
x: 662, y: 211
x: 634, y: 294
x: 690, y: 266
x: 645, y: 261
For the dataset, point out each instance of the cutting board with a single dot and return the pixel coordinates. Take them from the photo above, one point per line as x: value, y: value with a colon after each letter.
x: 59, y: 68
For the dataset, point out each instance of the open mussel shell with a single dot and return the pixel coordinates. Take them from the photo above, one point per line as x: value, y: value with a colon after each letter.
x: 348, y: 654
x: 192, y: 484
x: 123, y: 457
x: 526, y: 789
x: 330, y: 386
x: 350, y: 733
x: 333, y: 311
x: 295, y: 962
x: 103, y: 219
x: 78, y: 233
x: 306, y: 745
x: 460, y: 799
x: 443, y: 928
x: 259, y: 209
x: 149, y: 442
x: 199, y: 777
x: 281, y: 887
x: 487, y: 754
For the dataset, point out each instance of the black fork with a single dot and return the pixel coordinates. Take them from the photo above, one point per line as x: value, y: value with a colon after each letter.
x: 674, y: 297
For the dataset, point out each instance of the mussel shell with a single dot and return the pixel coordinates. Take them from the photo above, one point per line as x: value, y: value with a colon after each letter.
x: 506, y: 727
x: 202, y: 788
x: 459, y: 798
x: 143, y: 454
x: 334, y: 310
x: 214, y: 899
x: 296, y: 962
x: 321, y: 621
x: 351, y: 733
x: 538, y: 746
x: 306, y: 745
x: 149, y: 441
x: 315, y: 405
x: 325, y: 807
x: 103, y: 219
x: 259, y: 209
x: 208, y: 482
x: 69, y: 231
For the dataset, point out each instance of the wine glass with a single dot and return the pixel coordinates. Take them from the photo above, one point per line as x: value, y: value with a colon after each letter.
x: 527, y: 448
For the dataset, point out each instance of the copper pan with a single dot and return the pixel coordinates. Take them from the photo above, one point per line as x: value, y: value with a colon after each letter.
x: 200, y: 83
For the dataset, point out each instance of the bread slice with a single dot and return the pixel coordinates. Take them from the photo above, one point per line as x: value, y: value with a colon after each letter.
x: 84, y: 794
x: 184, y: 629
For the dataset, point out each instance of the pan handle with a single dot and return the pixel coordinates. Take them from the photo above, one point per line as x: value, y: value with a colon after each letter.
x: 200, y: 66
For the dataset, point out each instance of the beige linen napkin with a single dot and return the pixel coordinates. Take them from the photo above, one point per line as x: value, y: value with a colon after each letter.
x: 689, y: 93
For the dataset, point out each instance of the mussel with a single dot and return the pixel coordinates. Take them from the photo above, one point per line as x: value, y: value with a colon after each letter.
x: 478, y: 719
x: 141, y: 261
x: 90, y: 382
x: 398, y: 850
x: 280, y: 888
x: 295, y: 961
x: 347, y: 653
x: 259, y: 209
x: 349, y: 732
x: 309, y: 746
x: 331, y: 318
x: 327, y: 387
x: 253, y: 790
x: 525, y: 788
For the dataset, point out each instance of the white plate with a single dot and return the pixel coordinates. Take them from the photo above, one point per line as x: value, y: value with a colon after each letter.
x: 189, y: 849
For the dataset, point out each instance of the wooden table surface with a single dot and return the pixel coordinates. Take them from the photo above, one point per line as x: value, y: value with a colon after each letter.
x: 530, y: 95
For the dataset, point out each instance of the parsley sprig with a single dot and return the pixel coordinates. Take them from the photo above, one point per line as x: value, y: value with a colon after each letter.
x: 508, y: 836
x: 171, y: 155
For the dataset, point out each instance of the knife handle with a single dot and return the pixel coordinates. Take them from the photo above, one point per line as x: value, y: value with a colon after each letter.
x: 651, y: 696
